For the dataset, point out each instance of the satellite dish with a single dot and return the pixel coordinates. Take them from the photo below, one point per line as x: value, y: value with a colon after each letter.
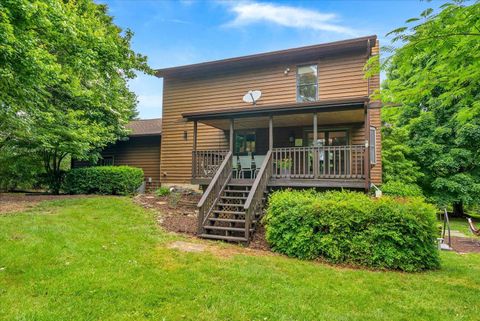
x: 252, y: 96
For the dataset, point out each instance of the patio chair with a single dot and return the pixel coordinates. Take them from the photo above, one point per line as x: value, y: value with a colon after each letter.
x: 258, y: 163
x: 246, y: 166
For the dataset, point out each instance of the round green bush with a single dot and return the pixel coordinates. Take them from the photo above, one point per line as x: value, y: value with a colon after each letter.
x: 401, y: 189
x: 108, y: 180
x: 349, y: 227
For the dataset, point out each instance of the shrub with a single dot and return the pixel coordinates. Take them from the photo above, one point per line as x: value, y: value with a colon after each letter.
x: 112, y: 180
x: 396, y: 188
x: 349, y: 227
x: 162, y: 191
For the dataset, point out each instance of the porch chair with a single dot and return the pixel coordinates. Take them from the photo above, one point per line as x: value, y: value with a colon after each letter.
x: 246, y: 166
x: 258, y: 163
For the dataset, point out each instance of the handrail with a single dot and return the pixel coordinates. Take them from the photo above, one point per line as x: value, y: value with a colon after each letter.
x: 212, y: 193
x: 255, y: 195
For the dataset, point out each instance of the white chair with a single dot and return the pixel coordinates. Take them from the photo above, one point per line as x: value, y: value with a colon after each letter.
x: 246, y: 166
x: 258, y: 163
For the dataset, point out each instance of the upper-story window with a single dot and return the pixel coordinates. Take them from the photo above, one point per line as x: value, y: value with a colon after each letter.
x: 307, y: 83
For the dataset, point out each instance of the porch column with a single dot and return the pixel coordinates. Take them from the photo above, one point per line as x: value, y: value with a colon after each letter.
x: 367, y: 148
x: 316, y: 152
x: 231, y: 135
x: 270, y: 133
x: 194, y: 156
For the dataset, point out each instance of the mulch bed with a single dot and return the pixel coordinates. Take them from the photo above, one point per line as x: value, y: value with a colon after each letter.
x: 465, y: 244
x: 176, y: 215
x: 182, y: 216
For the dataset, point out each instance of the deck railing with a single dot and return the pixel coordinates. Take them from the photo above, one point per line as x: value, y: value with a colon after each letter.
x: 337, y: 162
x: 205, y: 163
x: 214, y: 190
x: 254, y: 202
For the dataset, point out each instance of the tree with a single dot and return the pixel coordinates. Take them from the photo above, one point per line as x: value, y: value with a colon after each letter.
x: 435, y: 77
x: 63, y: 81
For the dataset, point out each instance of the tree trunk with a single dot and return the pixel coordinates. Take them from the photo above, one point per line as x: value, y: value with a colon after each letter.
x: 458, y: 209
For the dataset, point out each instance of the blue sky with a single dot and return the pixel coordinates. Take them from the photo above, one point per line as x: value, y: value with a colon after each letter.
x: 174, y: 33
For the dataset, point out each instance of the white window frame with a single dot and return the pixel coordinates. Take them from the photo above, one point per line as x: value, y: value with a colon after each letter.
x: 298, y: 83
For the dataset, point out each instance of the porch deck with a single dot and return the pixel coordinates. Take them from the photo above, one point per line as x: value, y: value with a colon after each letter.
x: 322, y: 167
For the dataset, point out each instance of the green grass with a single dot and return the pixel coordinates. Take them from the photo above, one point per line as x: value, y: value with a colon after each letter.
x: 105, y: 259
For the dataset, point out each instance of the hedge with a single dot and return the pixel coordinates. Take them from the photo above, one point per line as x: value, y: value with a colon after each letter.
x: 401, y: 189
x: 352, y: 228
x: 111, y: 180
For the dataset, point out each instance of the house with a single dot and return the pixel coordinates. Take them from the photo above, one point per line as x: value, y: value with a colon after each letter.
x: 313, y: 126
x: 140, y: 149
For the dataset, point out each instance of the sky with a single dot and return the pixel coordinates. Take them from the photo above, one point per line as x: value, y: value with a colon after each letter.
x: 175, y: 33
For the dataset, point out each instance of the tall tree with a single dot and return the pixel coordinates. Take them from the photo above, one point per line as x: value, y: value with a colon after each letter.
x: 434, y: 75
x: 63, y: 79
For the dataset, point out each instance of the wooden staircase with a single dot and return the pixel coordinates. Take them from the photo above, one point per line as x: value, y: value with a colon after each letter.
x: 230, y: 209
x: 227, y: 219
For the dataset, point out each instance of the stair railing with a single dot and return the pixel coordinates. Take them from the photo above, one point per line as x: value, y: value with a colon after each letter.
x: 212, y: 194
x: 254, y: 199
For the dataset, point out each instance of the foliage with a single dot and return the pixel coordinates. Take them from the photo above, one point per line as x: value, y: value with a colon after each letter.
x: 434, y: 76
x: 173, y: 199
x: 110, y: 252
x: 112, y: 180
x: 349, y: 227
x: 162, y: 191
x: 396, y: 188
x: 18, y: 169
x: 63, y: 81
x: 397, y: 161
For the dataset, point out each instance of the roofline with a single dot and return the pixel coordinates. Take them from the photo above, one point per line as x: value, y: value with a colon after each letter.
x: 339, y: 45
x: 321, y: 105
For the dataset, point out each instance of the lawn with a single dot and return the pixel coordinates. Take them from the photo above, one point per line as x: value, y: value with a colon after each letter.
x: 105, y: 259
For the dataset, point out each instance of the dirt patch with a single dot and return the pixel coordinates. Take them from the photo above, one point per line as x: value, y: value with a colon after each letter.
x: 216, y: 248
x: 259, y: 242
x: 176, y: 213
x: 465, y: 244
x: 13, y: 202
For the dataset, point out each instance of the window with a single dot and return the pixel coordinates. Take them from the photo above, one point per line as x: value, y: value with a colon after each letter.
x: 106, y: 161
x: 307, y: 83
x: 373, y: 145
x: 245, y: 142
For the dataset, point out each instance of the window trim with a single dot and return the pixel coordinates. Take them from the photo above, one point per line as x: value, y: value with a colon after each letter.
x: 298, y: 84
x: 372, y: 147
x: 244, y: 132
x: 108, y: 156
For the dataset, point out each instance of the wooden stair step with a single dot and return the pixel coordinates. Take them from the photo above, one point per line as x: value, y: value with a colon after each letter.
x: 236, y: 191
x: 228, y: 212
x: 232, y: 205
x: 233, y: 197
x: 228, y: 220
x: 225, y: 228
x: 225, y: 238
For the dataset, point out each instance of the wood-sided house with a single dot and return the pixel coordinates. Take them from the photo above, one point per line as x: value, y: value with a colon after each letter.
x: 314, y: 126
x: 140, y: 149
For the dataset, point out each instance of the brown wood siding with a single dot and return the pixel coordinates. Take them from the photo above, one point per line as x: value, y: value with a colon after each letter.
x: 338, y: 77
x: 375, y: 121
x: 142, y: 152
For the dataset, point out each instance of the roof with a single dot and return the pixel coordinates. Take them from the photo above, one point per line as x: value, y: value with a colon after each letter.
x: 297, y: 54
x: 320, y: 105
x: 145, y: 127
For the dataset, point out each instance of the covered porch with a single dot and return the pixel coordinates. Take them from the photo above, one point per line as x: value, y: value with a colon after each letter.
x: 308, y: 145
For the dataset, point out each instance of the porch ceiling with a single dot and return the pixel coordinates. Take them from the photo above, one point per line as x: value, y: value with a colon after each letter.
x: 292, y: 120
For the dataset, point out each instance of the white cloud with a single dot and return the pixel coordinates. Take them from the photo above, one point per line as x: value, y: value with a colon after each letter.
x: 287, y: 16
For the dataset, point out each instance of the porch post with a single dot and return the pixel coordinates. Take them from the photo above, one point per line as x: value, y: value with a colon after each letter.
x: 194, y: 157
x: 231, y: 135
x: 367, y: 148
x: 270, y: 133
x: 316, y: 151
